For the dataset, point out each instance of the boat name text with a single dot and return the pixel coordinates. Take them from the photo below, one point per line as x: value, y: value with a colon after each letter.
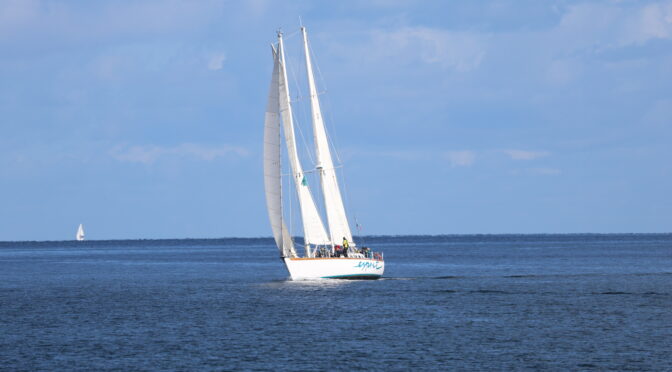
x: 369, y: 265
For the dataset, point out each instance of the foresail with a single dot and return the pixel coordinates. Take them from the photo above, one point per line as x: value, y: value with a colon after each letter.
x: 272, y: 180
x: 313, y: 228
x: 288, y: 245
x: 338, y: 221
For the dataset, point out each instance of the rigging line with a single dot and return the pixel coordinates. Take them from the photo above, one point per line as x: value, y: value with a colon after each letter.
x: 346, y: 196
x: 292, y: 70
x: 315, y: 170
x: 332, y: 140
x: 303, y: 139
x: 289, y: 197
x: 290, y: 35
x: 321, y: 205
x: 331, y: 124
x: 282, y: 237
x: 317, y: 177
x: 302, y: 109
x: 291, y: 214
x: 310, y: 171
x: 359, y: 232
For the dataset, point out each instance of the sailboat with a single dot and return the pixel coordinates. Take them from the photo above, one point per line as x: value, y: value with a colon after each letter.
x: 328, y: 253
x: 80, y: 233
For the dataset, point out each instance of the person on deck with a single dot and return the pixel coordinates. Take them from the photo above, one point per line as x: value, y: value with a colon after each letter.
x: 346, y: 246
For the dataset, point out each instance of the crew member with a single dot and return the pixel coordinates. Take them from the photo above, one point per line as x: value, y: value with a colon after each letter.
x: 346, y: 246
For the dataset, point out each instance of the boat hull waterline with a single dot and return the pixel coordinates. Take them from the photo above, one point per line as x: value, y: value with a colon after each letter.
x: 334, y: 268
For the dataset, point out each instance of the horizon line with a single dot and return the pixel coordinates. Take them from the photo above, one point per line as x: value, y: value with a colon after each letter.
x: 360, y: 236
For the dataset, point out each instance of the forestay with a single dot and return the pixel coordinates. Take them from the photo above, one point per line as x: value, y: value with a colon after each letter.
x: 337, y: 219
x: 313, y: 228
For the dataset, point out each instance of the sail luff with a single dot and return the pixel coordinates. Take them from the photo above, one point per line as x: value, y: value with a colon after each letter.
x: 333, y: 202
x: 313, y: 228
x: 272, y: 166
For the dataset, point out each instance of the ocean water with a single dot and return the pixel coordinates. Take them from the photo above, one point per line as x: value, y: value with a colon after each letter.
x: 481, y: 302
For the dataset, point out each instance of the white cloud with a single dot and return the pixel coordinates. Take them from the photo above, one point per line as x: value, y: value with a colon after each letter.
x: 613, y: 24
x: 216, y: 61
x: 463, y: 158
x: 450, y: 50
x: 149, y: 154
x: 33, y: 23
x: 461, y: 51
x: 654, y: 21
x: 526, y: 155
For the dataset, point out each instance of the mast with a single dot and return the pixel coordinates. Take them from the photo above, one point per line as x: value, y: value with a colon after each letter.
x: 336, y: 217
x: 313, y: 228
x: 272, y: 166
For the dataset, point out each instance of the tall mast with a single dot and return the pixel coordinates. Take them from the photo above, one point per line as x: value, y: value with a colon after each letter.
x: 338, y: 221
x: 313, y: 228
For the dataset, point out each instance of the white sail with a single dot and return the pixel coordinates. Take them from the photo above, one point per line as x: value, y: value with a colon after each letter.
x: 338, y: 221
x: 313, y: 228
x: 272, y: 166
x: 320, y: 263
x: 80, y: 233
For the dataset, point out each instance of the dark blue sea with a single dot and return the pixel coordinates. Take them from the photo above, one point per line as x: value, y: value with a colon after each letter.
x: 470, y: 302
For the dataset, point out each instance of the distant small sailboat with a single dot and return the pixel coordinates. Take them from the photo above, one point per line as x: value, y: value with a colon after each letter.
x: 80, y: 233
x: 329, y: 253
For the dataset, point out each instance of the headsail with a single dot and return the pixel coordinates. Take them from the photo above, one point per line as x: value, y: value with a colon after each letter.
x: 313, y: 228
x: 272, y: 180
x: 338, y: 221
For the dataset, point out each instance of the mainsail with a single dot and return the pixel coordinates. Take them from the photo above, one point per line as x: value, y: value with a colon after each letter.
x: 333, y: 203
x: 272, y: 176
x: 313, y: 229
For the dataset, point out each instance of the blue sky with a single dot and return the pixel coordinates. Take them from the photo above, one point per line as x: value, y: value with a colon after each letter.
x: 144, y: 119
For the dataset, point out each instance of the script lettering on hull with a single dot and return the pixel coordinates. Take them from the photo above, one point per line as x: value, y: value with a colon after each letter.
x: 368, y: 265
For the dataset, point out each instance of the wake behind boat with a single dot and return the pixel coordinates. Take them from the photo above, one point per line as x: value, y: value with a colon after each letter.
x: 327, y: 255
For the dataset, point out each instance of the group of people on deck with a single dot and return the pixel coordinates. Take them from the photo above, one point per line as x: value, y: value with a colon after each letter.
x: 342, y: 250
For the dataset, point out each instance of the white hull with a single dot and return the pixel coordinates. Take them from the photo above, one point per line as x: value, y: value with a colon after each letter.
x: 334, y: 268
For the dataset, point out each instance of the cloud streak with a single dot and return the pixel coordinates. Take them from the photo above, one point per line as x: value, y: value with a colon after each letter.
x: 463, y: 158
x: 459, y: 51
x: 216, y: 61
x: 41, y: 24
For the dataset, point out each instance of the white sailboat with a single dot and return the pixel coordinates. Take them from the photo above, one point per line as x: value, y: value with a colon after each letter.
x: 331, y: 254
x: 80, y: 233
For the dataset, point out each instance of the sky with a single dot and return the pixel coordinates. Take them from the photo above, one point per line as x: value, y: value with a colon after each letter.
x: 144, y: 119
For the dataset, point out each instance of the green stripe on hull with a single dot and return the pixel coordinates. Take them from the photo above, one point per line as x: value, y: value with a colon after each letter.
x: 353, y: 276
